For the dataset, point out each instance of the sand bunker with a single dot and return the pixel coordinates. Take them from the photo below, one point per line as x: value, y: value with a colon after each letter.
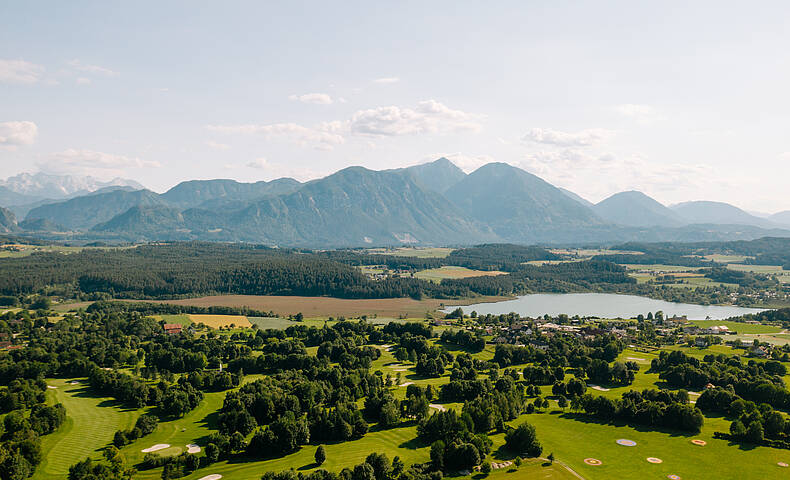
x: 74, y: 382
x: 783, y: 464
x: 600, y: 389
x: 673, y: 477
x: 192, y: 448
x: 626, y: 443
x: 401, y: 369
x: 497, y: 465
x: 155, y: 448
x: 654, y: 460
x: 594, y: 462
x: 406, y: 384
x: 214, y: 476
x: 636, y: 359
x: 438, y: 407
x: 51, y: 387
x: 699, y: 442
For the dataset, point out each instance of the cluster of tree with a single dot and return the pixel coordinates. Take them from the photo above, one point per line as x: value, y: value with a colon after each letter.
x: 144, y: 425
x: 652, y: 408
x: 176, y: 399
x: 20, y: 443
x: 454, y: 444
x: 464, y: 339
x: 22, y: 393
x: 375, y: 467
x: 744, y: 279
x: 760, y: 382
x: 112, y: 469
x: 294, y: 407
x: 523, y: 440
x: 150, y: 308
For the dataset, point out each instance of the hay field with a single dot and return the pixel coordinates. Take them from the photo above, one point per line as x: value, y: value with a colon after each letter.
x: 217, y: 321
x: 439, y: 274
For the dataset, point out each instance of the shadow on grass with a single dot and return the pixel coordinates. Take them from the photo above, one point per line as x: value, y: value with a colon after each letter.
x: 580, y: 417
x: 414, y: 444
x: 309, y: 466
x: 85, y: 391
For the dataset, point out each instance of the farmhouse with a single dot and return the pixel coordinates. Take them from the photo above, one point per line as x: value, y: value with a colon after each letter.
x: 172, y: 328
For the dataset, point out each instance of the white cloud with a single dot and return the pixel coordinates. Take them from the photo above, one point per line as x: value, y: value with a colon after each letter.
x: 324, y: 136
x: 217, y: 146
x: 17, y: 133
x: 83, y: 81
x: 429, y: 116
x: 92, y: 162
x: 385, y: 80
x: 20, y: 72
x: 92, y: 69
x: 583, y: 138
x: 314, y: 98
x: 574, y: 169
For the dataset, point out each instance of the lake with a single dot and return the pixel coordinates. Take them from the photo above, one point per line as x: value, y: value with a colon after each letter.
x: 603, y: 305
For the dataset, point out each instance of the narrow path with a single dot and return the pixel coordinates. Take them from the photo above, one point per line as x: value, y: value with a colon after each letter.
x: 572, y: 471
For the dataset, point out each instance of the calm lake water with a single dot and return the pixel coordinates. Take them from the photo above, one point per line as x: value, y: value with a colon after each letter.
x: 602, y: 305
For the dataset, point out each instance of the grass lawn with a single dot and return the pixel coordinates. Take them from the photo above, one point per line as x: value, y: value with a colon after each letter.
x: 91, y: 422
x: 718, y: 258
x: 438, y: 274
x: 194, y: 427
x: 572, y: 438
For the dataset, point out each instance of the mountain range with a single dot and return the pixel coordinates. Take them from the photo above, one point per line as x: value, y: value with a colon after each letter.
x: 428, y: 204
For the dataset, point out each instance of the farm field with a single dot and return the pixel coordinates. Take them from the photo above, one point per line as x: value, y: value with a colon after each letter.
x: 327, y: 306
x: 217, y: 321
x: 439, y: 274
x: 437, y: 252
x: 17, y: 251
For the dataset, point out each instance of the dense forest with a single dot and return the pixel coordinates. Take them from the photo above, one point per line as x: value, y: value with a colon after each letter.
x: 188, y: 269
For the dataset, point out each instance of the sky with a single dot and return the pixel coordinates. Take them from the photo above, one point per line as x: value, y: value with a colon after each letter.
x: 680, y: 100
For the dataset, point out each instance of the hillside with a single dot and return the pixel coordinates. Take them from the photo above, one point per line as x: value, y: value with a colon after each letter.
x: 437, y: 176
x: 782, y: 218
x: 82, y: 213
x: 516, y: 204
x: 356, y: 206
x: 7, y: 221
x: 197, y: 192
x: 718, y: 213
x: 636, y: 209
x: 576, y: 197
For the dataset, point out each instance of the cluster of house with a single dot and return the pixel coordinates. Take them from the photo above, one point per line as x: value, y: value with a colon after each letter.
x: 713, y: 330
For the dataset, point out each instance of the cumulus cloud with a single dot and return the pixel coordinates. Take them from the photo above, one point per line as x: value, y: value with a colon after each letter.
x: 573, y: 169
x: 314, y: 98
x: 385, y: 80
x: 92, y: 69
x: 13, y: 134
x: 20, y: 72
x: 583, y: 138
x: 85, y: 161
x: 428, y: 116
x: 324, y: 136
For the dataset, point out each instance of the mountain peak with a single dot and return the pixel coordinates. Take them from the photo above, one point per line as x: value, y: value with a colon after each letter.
x: 635, y: 209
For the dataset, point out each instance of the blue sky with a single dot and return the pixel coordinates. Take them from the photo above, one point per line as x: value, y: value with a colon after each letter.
x: 683, y: 102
